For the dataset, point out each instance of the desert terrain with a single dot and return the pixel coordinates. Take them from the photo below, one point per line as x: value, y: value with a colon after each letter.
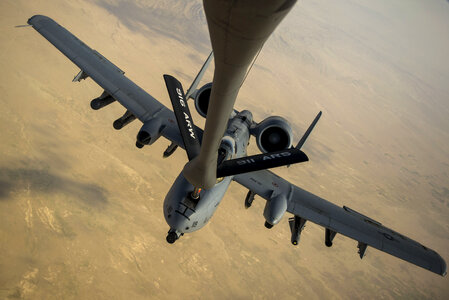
x: 81, y: 206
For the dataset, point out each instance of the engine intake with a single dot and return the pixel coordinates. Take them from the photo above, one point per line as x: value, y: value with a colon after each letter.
x: 202, y: 98
x: 273, y: 134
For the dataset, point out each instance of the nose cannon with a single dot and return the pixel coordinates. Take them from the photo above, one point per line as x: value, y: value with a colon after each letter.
x: 181, y: 208
x: 185, y: 214
x: 173, y: 235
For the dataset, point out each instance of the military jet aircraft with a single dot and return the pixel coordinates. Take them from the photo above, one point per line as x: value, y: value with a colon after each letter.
x: 193, y: 199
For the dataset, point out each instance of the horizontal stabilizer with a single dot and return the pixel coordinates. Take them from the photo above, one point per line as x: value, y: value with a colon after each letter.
x: 309, y: 130
x: 260, y: 162
x: 199, y: 76
x: 183, y: 116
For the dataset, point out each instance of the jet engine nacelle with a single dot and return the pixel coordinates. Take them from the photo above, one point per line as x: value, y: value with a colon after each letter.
x: 273, y: 134
x: 202, y: 97
x: 275, y: 209
x: 150, y: 131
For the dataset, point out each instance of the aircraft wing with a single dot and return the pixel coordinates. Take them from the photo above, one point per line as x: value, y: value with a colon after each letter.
x: 342, y: 220
x: 108, y: 76
x: 264, y: 183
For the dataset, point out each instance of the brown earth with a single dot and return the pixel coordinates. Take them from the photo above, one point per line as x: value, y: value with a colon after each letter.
x: 81, y: 207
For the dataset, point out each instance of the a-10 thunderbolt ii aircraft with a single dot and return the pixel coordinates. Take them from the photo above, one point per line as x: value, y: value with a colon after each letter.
x: 237, y: 33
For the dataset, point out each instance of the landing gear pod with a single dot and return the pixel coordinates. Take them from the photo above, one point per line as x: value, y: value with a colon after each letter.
x: 274, y: 210
x: 268, y: 225
x: 149, y: 132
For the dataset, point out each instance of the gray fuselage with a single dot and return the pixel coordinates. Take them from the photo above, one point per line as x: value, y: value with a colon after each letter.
x: 182, y: 213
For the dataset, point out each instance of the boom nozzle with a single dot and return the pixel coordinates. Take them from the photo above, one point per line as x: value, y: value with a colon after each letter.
x: 196, y: 193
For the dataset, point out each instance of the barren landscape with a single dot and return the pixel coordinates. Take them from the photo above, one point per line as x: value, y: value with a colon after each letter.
x: 81, y: 207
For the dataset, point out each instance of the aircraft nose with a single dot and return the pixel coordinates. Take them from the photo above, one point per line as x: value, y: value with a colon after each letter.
x: 178, y: 222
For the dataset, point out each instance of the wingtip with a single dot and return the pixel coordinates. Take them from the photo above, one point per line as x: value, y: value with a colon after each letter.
x: 443, y: 268
x: 36, y: 17
x: 439, y: 267
x: 305, y: 157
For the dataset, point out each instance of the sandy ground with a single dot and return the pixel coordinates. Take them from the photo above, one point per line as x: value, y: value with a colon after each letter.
x: 81, y: 207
